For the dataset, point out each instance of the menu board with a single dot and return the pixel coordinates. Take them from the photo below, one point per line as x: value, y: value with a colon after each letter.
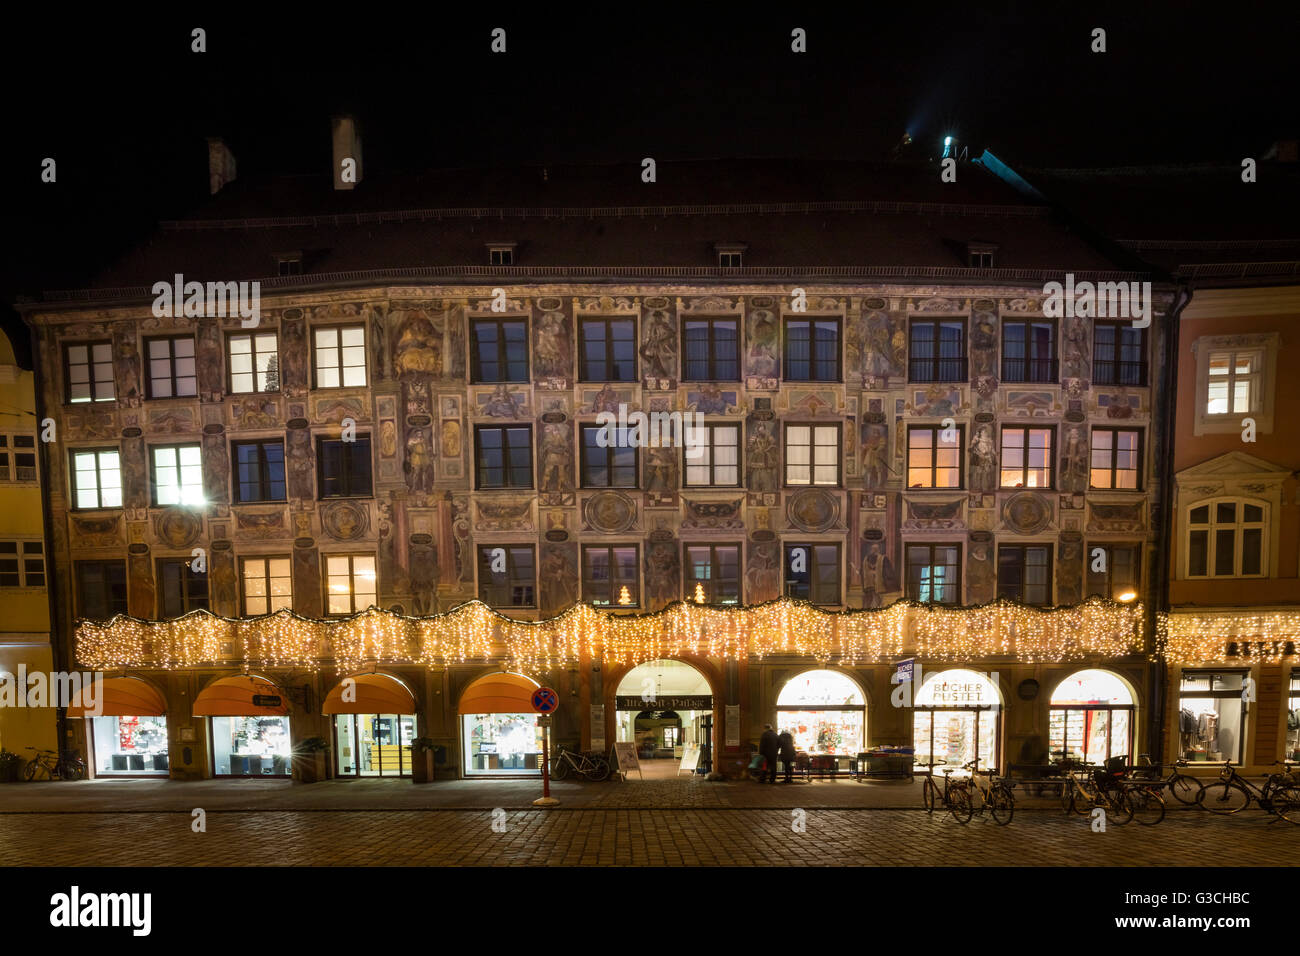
x: 690, y: 759
x: 625, y: 758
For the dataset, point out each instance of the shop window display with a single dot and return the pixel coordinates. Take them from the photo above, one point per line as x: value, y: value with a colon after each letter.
x: 825, y: 712
x: 1211, y: 715
x: 130, y: 744
x: 1293, y: 718
x: 374, y: 745
x: 1091, y: 717
x: 251, y: 746
x: 957, y: 720
x: 508, y: 744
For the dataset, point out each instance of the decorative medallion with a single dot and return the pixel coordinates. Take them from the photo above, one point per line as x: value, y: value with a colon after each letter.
x: 554, y: 418
x: 813, y: 509
x: 304, y: 543
x: 610, y: 512
x: 297, y: 423
x: 216, y: 428
x: 345, y: 520
x: 763, y: 534
x: 222, y: 545
x: 557, y: 534
x: 292, y: 315
x: 179, y: 527
x: 418, y: 421
x: 137, y: 549
x: 714, y: 515
x: 1028, y: 689
x: 132, y: 432
x: 1026, y: 513
x: 550, y: 304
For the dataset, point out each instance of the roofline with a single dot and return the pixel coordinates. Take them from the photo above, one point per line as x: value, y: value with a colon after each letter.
x: 476, y: 275
x: 609, y: 212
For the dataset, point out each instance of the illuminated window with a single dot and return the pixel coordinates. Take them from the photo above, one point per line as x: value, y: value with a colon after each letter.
x: 341, y: 356
x: 1027, y: 457
x: 812, y: 454
x: 1113, y: 574
x: 97, y: 478
x: 350, y: 582
x: 254, y: 363
x: 606, y: 571
x: 89, y: 372
x: 268, y: 585
x: 715, y: 568
x: 172, y: 371
x: 1116, y: 458
x: 934, y: 456
x: 1233, y: 386
x: 178, y: 475
x: 934, y: 573
x: 717, y: 460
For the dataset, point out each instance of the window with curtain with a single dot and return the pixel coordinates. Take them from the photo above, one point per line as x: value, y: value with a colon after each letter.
x: 710, y: 350
x: 937, y: 351
x: 812, y: 350
x: 1029, y: 351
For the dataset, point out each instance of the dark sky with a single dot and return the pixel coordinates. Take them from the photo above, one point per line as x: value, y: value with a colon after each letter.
x: 124, y: 107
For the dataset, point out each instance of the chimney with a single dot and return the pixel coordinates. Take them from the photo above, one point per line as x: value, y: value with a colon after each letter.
x: 347, y: 146
x: 221, y: 164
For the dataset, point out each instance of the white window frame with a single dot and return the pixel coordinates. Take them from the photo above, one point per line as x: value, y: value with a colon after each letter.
x: 23, y: 556
x: 266, y: 577
x: 811, y: 464
x: 351, y: 558
x: 99, y: 482
x: 1263, y: 348
x: 9, y: 448
x: 703, y: 437
x: 1211, y: 538
x: 253, y: 352
x: 339, y: 367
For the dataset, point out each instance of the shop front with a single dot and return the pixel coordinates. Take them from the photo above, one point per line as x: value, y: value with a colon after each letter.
x: 128, y: 735
x: 373, y: 717
x: 825, y: 712
x: 1212, y: 709
x: 957, y: 720
x: 248, y: 726
x: 1091, y: 717
x: 500, y: 734
x: 665, y: 707
x: 1292, y: 717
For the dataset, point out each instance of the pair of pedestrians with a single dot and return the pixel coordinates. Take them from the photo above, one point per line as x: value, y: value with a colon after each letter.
x: 771, y: 746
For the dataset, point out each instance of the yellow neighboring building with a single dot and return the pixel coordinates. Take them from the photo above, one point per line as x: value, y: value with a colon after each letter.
x: 24, y: 571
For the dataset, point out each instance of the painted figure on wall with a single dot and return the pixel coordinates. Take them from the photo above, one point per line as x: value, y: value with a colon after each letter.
x: 501, y: 404
x: 419, y: 346
x: 302, y: 464
x: 559, y: 576
x: 1074, y: 461
x: 661, y: 470
x: 293, y: 357
x: 878, y: 578
x: 419, y: 464
x: 424, y: 577
x: 763, y: 459
x: 557, y: 458
x: 662, y: 570
x: 762, y: 572
x: 659, y: 350
x: 554, y: 350
x: 762, y: 359
x: 126, y: 361
x: 983, y: 460
x: 875, y: 455
x: 216, y: 469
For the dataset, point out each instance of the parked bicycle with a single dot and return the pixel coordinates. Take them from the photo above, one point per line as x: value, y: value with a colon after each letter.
x: 592, y: 766
x: 48, y: 765
x: 995, y: 796
x: 931, y: 795
x: 1184, y: 787
x: 1280, y: 794
x: 1086, y: 790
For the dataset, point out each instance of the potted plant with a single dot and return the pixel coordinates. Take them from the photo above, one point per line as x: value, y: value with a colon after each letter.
x: 11, y: 767
x: 311, y: 760
x: 422, y: 759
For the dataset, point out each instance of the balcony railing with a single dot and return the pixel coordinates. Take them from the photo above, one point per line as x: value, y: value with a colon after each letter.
x: 1029, y: 370
x: 1106, y: 372
x: 937, y: 370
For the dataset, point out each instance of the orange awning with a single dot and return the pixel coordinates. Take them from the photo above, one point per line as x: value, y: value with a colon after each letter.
x: 374, y: 693
x: 233, y: 697
x: 122, y: 697
x: 499, y: 694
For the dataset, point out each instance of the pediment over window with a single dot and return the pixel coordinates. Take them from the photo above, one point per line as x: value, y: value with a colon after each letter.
x: 1234, y: 464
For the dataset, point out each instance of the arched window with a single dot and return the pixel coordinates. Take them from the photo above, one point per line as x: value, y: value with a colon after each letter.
x: 1091, y: 717
x: 958, y: 720
x: 825, y: 712
x: 1226, y: 538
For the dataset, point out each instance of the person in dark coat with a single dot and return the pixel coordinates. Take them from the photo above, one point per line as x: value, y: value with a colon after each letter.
x: 769, y: 746
x: 786, y: 741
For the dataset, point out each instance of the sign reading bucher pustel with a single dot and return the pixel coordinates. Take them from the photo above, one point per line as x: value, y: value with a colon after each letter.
x: 545, y: 700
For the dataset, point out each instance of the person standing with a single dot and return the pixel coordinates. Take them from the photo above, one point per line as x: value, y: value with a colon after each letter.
x: 786, y: 742
x: 769, y: 746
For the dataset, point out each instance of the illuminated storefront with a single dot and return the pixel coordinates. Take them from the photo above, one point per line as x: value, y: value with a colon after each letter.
x: 500, y: 733
x: 128, y: 732
x: 1211, y: 720
x: 664, y: 706
x: 825, y: 712
x: 1091, y: 717
x: 958, y: 719
x: 373, y: 723
x: 248, y: 725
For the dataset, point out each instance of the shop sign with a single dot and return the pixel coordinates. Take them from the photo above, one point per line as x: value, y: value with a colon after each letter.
x: 680, y: 702
x: 266, y: 700
x: 598, y: 727
x: 1260, y: 648
x: 903, y: 673
x: 733, y: 725
x: 951, y: 692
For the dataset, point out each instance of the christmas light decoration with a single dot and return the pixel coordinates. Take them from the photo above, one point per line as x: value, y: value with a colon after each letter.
x: 1206, y: 637
x: 475, y: 632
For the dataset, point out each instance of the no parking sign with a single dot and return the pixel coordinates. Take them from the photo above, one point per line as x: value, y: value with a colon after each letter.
x: 545, y: 700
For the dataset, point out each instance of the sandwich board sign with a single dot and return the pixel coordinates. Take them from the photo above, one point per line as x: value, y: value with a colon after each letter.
x: 625, y: 758
x: 690, y: 759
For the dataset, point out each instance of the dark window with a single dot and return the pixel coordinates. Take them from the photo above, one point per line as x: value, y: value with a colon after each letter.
x: 507, y: 575
x: 980, y: 260
x: 713, y: 572
x: 259, y: 471
x: 22, y: 564
x: 171, y: 367
x: 812, y: 572
x: 730, y: 260
x: 97, y: 478
x: 101, y: 589
x: 937, y: 351
x: 606, y: 572
x: 290, y: 267
x: 1028, y: 351
x: 500, y: 350
x: 1116, y: 459
x: 711, y: 350
x: 501, y: 257
x: 1027, y: 458
x: 344, y: 467
x: 607, y: 350
x: 934, y: 573
x: 89, y: 371
x: 17, y: 464
x: 612, y: 466
x: 1113, y: 573
x: 812, y: 350
x: 1025, y: 573
x: 180, y: 588
x: 717, y: 456
x: 340, y: 356
x: 254, y: 363
x: 935, y: 456
x: 1119, y: 355
x: 1225, y: 539
x: 505, y: 456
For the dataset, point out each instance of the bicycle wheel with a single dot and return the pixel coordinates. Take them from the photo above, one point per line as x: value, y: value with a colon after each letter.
x: 1223, y: 798
x: 1147, y: 806
x: 598, y: 771
x: 1185, y: 788
x: 33, y: 765
x: 561, y: 768
x: 71, y: 769
x: 1085, y: 798
x: 929, y: 795
x: 960, y: 805
x: 1068, y: 793
x: 1002, y: 804
x: 1116, y: 805
x: 1286, y: 804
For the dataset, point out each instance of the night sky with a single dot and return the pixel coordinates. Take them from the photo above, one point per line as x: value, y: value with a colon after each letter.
x: 124, y: 107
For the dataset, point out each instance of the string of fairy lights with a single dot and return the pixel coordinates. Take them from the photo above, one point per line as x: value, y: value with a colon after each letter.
x: 474, y: 632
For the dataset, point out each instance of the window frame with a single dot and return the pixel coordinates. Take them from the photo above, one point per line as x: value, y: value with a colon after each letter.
x: 811, y: 320
x: 321, y: 441
x: 21, y: 556
x: 10, y: 450
x: 688, y: 582
x: 79, y: 567
x: 1239, y: 525
x: 505, y: 466
x: 813, y: 564
x: 812, y: 446
x: 584, y: 458
x: 96, y: 450
x: 609, y: 362
x: 588, y: 584
x: 709, y: 428
x: 1266, y: 345
x: 188, y: 576
x: 936, y: 431
x: 153, y: 474
x: 90, y: 365
x: 907, y: 572
x: 267, y: 578
x: 1110, y: 547
x: 509, y: 547
x: 338, y: 329
x: 503, y: 356
x: 712, y: 350
x: 264, y: 480
x: 1114, y: 469
x: 1024, y: 550
x: 1115, y: 380
x: 1025, y: 468
x: 1053, y: 372
x: 352, y: 581
x: 252, y: 336
x: 147, y: 360
x: 935, y: 361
